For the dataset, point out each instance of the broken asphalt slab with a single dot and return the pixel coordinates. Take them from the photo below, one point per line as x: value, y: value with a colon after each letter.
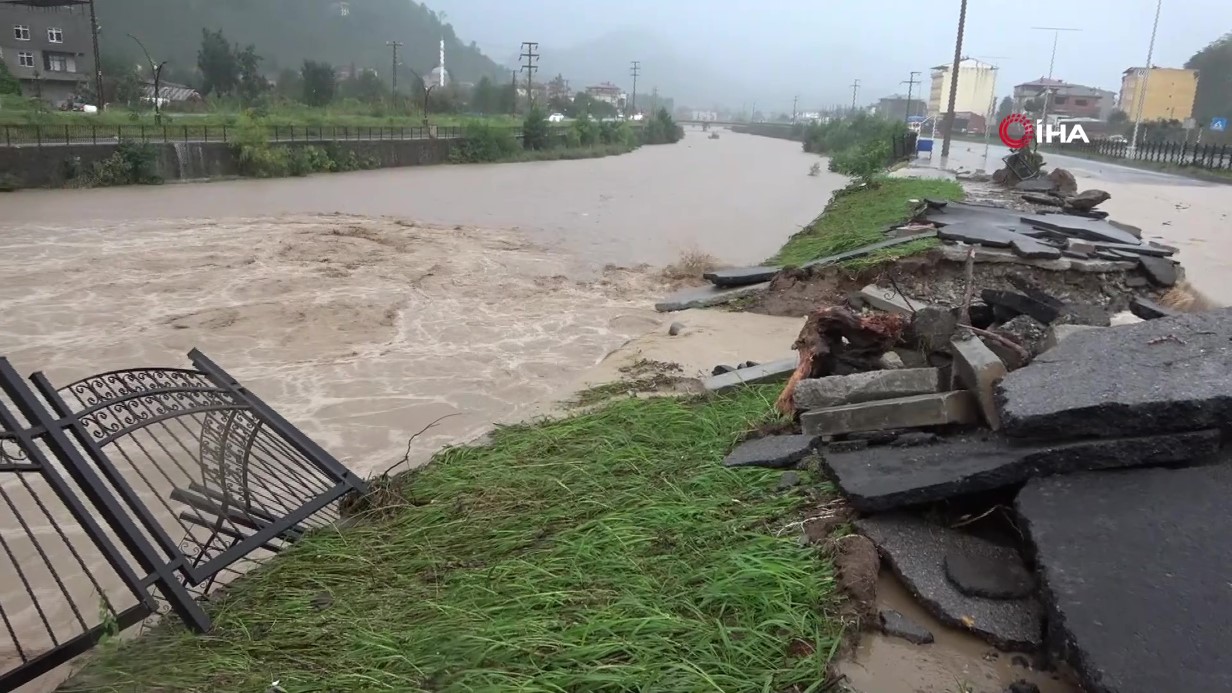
x: 706, y: 296
x: 774, y: 371
x: 897, y: 625
x: 879, y: 479
x: 1161, y: 271
x: 1134, y: 572
x: 1160, y: 376
x: 916, y: 550
x: 743, y: 276
x: 772, y: 452
x: 834, y: 390
x: 1091, y: 229
x: 997, y: 236
x: 1147, y: 309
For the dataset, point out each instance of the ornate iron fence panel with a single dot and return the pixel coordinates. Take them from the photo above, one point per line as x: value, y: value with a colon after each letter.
x: 130, y: 490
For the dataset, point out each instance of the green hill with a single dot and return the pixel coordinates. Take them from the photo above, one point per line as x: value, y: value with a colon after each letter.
x: 286, y: 32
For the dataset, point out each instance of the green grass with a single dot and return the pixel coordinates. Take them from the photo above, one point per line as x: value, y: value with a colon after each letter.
x: 597, y: 151
x: 609, y: 551
x: 859, y: 216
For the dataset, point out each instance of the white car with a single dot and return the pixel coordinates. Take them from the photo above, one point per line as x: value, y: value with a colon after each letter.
x: 1117, y: 138
x: 556, y: 118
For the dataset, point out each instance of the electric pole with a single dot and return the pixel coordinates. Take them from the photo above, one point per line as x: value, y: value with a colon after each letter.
x: 948, y: 130
x: 634, y: 69
x: 795, y: 101
x: 393, y: 73
x: 530, y: 55
x: 1052, y: 62
x: 910, y: 88
x: 855, y: 90
x: 1140, y: 98
x: 98, y: 61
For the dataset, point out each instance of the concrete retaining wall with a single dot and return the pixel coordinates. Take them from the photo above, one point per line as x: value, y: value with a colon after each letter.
x: 780, y: 131
x: 55, y: 166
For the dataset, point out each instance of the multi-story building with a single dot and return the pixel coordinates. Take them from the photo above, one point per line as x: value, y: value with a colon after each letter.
x: 899, y: 107
x: 977, y: 87
x: 48, y: 49
x: 609, y: 93
x: 1066, y: 100
x: 1169, y: 93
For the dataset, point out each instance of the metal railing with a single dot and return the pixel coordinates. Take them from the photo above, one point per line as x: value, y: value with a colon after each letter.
x: 1205, y: 156
x: 135, y: 492
x: 66, y: 135
x: 903, y: 146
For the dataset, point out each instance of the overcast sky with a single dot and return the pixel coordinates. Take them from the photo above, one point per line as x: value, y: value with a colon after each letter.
x: 817, y: 47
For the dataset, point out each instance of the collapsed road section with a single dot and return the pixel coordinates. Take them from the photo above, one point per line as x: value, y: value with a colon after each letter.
x: 1039, y: 457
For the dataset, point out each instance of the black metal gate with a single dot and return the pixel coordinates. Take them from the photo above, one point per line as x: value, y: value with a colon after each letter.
x: 137, y: 489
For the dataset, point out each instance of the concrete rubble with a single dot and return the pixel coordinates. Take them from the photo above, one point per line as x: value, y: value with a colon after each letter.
x: 1044, y: 473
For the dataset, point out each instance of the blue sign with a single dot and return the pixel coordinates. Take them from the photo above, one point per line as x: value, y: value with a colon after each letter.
x: 1219, y: 124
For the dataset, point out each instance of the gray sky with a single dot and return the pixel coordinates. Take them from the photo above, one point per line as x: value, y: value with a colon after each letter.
x: 776, y: 48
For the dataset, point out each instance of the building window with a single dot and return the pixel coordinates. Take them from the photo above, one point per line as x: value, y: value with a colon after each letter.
x: 21, y: 32
x: 55, y: 62
x: 55, y: 34
x: 1080, y: 102
x: 25, y: 59
x: 1060, y: 100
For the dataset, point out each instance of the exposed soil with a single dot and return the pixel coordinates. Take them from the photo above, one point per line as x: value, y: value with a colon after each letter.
x: 930, y: 279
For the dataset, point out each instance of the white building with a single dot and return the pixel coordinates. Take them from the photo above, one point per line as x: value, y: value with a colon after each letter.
x: 977, y: 87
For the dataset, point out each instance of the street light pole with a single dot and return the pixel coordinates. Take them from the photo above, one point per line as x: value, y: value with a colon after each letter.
x: 1146, y: 75
x: 158, y: 73
x: 1052, y: 62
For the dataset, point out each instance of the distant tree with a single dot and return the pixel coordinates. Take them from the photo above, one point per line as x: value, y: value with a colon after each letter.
x: 1005, y: 109
x: 220, y: 70
x: 536, y: 132
x: 289, y: 85
x: 365, y: 86
x: 128, y: 87
x: 1214, y: 66
x: 251, y: 84
x: 1118, y: 117
x: 484, y: 98
x: 507, y: 99
x: 320, y: 83
x: 8, y: 83
x: 585, y: 104
x: 1031, y: 106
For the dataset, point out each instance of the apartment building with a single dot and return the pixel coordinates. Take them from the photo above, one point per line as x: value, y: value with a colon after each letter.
x: 1169, y: 93
x: 48, y: 49
x: 977, y: 83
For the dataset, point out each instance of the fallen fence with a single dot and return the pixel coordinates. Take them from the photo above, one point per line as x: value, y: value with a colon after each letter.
x: 1205, y: 156
x: 135, y: 492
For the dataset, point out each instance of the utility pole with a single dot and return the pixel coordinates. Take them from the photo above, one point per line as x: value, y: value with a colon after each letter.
x: 910, y: 88
x: 514, y: 86
x: 393, y: 73
x: 795, y: 101
x: 98, y: 60
x: 654, y: 98
x: 635, y: 69
x: 949, y: 115
x: 1140, y: 98
x: 1056, y: 34
x: 157, y: 71
x: 855, y: 90
x: 530, y: 55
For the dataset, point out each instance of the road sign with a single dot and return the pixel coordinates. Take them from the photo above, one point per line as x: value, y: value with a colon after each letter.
x: 1219, y: 124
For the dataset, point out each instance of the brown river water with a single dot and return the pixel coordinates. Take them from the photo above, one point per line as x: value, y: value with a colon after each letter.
x: 365, y: 306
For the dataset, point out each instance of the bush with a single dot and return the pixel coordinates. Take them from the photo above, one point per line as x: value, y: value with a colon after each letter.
x: 841, y: 135
x: 535, y: 130
x: 132, y: 163
x: 484, y: 142
x: 863, y: 161
x: 662, y: 129
x: 9, y: 182
x: 587, y: 130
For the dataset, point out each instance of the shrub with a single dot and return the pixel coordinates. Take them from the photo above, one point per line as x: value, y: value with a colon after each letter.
x: 484, y: 142
x: 587, y: 130
x: 841, y: 135
x: 132, y: 163
x: 863, y: 161
x: 9, y: 182
x: 535, y: 130
x: 662, y: 129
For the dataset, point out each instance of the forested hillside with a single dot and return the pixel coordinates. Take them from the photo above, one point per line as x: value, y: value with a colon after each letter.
x: 286, y: 32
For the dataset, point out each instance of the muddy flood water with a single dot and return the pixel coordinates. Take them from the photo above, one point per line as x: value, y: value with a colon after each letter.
x: 366, y: 306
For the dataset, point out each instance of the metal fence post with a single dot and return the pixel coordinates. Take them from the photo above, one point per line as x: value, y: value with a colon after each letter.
x: 38, y: 134
x: 8, y: 138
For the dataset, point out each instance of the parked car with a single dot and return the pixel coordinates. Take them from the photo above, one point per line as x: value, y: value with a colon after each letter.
x: 1117, y: 138
x: 556, y: 118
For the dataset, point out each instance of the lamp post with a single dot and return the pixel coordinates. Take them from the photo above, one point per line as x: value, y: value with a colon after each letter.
x: 1052, y: 62
x: 157, y: 71
x: 1146, y: 75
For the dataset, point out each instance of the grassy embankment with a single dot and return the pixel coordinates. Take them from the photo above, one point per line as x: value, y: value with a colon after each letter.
x: 607, y: 551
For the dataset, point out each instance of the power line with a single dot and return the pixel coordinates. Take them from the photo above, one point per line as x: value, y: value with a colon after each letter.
x: 393, y: 74
x: 530, y: 55
x: 910, y: 88
x: 635, y: 70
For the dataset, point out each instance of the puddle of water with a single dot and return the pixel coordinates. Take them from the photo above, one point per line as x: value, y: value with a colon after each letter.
x: 956, y: 662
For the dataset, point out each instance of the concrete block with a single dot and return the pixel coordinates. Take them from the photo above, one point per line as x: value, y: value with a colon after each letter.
x: 762, y: 373
x: 706, y: 296
x: 979, y: 370
x: 820, y: 393
x: 888, y: 300
x: 958, y: 407
x: 1059, y: 333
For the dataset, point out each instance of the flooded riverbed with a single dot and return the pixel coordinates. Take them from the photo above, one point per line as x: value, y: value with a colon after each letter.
x: 366, y: 306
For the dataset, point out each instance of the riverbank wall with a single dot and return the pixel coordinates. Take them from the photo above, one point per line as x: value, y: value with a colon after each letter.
x: 58, y: 166
x: 782, y: 131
